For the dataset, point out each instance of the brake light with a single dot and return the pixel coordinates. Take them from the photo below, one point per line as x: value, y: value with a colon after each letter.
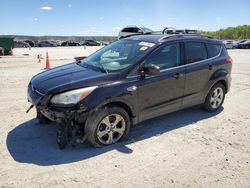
x: 229, y: 60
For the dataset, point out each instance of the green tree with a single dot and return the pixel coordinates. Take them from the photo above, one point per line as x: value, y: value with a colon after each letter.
x: 238, y: 32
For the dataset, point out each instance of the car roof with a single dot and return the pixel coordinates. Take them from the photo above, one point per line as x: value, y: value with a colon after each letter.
x: 163, y: 37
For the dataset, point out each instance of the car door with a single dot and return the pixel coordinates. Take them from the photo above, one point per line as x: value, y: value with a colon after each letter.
x: 198, y: 70
x: 162, y: 93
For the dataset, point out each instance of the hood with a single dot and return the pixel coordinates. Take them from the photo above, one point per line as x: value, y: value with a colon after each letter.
x: 68, y: 77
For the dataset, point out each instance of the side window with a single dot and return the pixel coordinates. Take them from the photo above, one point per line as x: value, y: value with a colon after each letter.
x: 135, y: 30
x: 165, y: 57
x: 128, y: 29
x: 170, y: 32
x: 213, y: 50
x: 195, y: 51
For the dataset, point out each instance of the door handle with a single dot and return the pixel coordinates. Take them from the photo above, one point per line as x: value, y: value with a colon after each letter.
x: 211, y: 67
x: 178, y: 75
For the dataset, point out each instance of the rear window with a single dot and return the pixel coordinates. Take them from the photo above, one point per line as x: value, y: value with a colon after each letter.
x: 195, y: 51
x: 213, y: 50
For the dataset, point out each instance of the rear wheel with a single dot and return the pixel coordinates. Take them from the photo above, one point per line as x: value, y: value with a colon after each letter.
x: 108, y: 126
x: 215, y: 97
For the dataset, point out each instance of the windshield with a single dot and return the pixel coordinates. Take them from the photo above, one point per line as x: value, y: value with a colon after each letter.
x: 146, y: 30
x: 118, y: 55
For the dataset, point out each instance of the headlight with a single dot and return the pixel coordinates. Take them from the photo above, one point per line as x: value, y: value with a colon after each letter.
x: 73, y: 96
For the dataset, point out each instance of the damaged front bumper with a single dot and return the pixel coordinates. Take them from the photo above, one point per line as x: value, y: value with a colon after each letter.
x: 77, y: 114
x: 70, y: 119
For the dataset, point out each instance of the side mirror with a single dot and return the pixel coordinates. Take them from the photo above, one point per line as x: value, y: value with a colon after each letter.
x: 80, y: 58
x: 150, y: 70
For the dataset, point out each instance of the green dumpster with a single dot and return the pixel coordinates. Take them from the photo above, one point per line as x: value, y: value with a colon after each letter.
x: 6, y: 43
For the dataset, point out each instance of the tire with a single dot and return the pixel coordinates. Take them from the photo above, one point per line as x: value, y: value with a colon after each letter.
x: 62, y: 137
x: 215, y: 97
x: 99, y: 133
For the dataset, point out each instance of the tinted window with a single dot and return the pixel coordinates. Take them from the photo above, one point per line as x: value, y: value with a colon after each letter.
x: 146, y: 30
x: 195, y: 51
x: 165, y: 57
x: 130, y: 30
x: 170, y: 32
x: 213, y: 50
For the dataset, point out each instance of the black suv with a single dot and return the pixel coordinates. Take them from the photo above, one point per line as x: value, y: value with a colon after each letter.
x: 129, y: 81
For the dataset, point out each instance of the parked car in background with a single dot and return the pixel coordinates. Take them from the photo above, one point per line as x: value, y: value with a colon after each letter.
x: 21, y: 44
x: 70, y: 43
x: 228, y: 44
x: 30, y: 42
x: 104, y: 43
x: 237, y: 43
x: 90, y: 43
x: 36, y: 43
x: 244, y: 45
x: 56, y: 43
x: 133, y: 30
x: 46, y: 44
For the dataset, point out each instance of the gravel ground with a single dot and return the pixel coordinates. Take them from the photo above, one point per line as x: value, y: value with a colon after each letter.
x: 191, y: 148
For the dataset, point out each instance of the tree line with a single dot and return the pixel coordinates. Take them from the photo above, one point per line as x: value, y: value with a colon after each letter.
x: 239, y: 32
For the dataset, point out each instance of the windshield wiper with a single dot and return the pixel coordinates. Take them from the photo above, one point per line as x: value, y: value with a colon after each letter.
x: 86, y: 65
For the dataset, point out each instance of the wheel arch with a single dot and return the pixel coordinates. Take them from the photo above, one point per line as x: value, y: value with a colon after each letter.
x: 223, y: 82
x: 122, y: 105
x: 219, y: 76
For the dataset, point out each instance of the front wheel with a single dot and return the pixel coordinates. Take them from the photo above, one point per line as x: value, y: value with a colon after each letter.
x: 107, y: 126
x: 215, y: 97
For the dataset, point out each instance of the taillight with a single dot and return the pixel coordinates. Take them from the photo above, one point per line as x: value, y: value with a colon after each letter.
x: 229, y: 60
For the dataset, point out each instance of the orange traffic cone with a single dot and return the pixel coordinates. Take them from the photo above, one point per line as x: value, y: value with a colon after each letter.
x: 39, y: 58
x: 47, y: 61
x: 11, y: 51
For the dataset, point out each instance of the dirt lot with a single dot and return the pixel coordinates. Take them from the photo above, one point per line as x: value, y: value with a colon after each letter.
x: 191, y: 148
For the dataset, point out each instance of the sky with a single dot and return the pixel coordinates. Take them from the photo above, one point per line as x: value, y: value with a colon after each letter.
x: 107, y: 17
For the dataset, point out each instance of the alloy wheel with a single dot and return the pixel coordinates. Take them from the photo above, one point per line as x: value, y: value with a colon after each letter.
x: 216, y: 98
x: 111, y: 129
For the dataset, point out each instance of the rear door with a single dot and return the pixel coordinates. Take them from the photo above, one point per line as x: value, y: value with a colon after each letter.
x: 160, y: 94
x: 198, y: 69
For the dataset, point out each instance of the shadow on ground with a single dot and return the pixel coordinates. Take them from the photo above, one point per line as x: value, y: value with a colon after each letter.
x: 34, y: 143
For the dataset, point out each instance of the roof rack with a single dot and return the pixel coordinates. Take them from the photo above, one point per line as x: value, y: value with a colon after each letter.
x: 184, y: 35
